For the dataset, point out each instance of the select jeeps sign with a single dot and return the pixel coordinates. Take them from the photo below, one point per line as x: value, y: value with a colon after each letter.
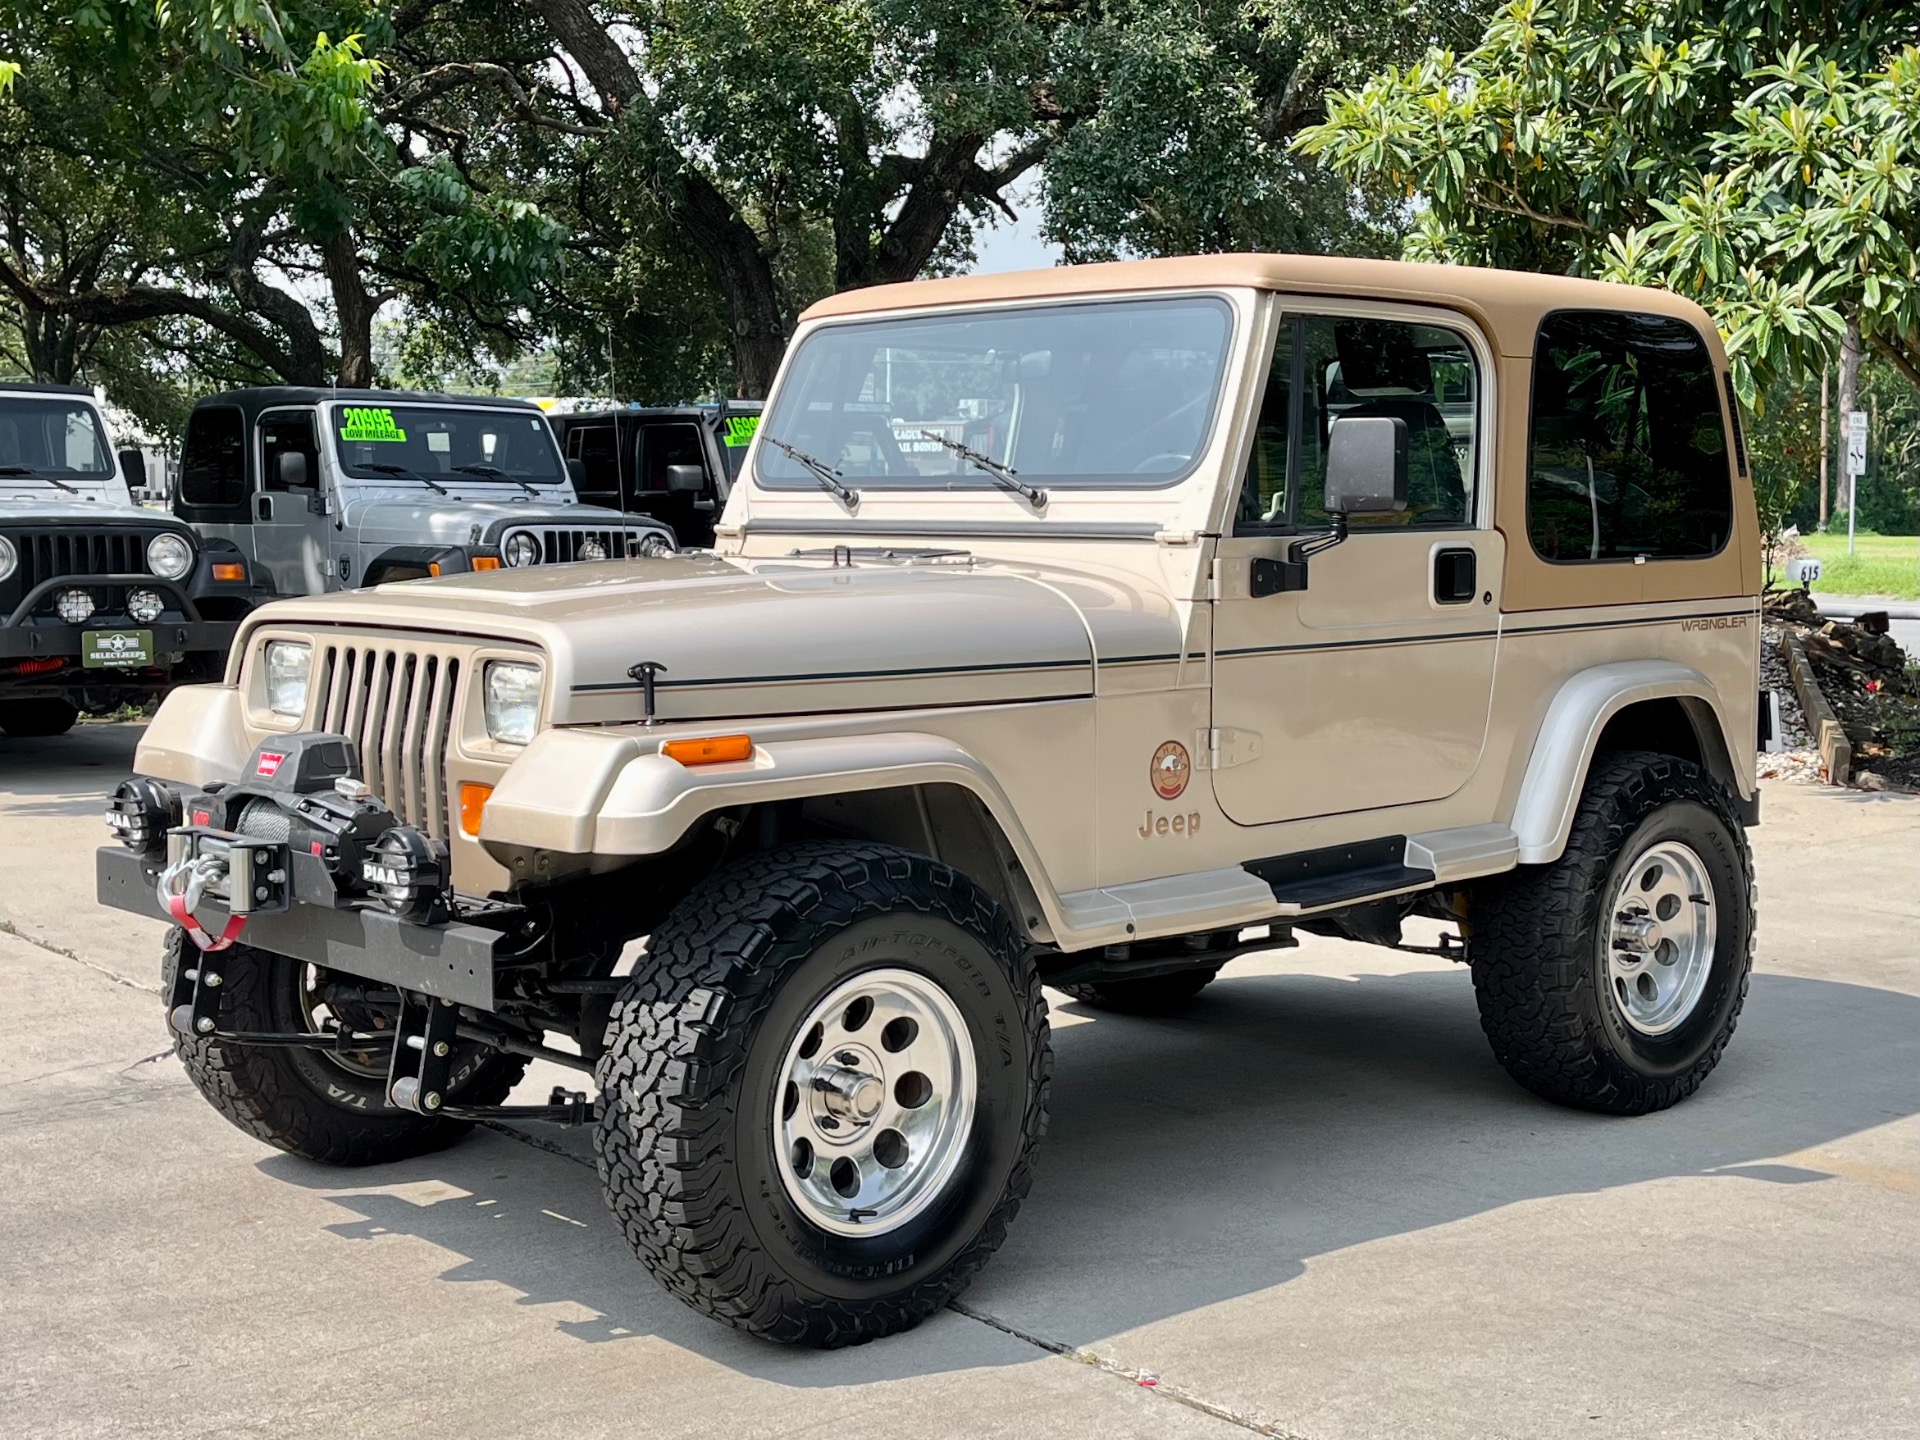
x: 116, y: 649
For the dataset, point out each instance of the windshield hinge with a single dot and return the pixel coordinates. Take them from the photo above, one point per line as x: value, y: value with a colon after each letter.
x: 1177, y: 537
x: 1222, y: 747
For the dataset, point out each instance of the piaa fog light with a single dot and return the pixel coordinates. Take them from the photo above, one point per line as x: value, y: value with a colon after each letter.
x: 145, y: 605
x: 73, y: 606
x: 591, y: 548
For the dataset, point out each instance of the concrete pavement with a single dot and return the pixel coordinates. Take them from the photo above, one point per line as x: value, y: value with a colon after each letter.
x: 1312, y: 1207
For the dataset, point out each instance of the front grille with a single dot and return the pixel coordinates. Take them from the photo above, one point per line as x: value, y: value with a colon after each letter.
x: 397, y: 705
x: 47, y: 555
x: 562, y: 546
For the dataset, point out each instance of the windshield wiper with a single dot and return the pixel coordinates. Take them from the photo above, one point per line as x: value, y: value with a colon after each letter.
x: 36, y: 475
x: 828, y: 477
x: 1005, y: 476
x: 496, y: 470
x: 409, y: 474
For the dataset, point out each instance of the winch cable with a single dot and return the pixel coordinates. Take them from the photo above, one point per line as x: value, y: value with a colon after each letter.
x: 180, y: 889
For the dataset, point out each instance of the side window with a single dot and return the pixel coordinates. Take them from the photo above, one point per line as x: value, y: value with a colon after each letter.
x: 666, y: 445
x: 1328, y: 367
x: 1627, y: 452
x: 287, y: 434
x: 213, y: 462
x: 597, y: 450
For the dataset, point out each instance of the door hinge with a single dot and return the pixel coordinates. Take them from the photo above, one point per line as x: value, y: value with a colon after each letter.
x: 1222, y: 747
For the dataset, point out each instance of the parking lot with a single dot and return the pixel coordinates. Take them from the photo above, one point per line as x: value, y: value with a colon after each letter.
x: 1313, y: 1206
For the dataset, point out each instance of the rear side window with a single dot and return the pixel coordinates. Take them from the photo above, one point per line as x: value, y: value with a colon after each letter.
x: 1627, y: 455
x: 213, y: 463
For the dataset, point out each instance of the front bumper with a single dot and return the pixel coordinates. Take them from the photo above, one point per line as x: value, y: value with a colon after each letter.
x: 453, y: 961
x: 41, y: 642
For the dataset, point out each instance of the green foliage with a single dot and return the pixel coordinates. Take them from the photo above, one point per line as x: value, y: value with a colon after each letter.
x: 1762, y: 156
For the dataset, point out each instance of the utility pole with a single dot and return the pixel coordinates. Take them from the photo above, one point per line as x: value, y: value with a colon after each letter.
x: 1826, y: 443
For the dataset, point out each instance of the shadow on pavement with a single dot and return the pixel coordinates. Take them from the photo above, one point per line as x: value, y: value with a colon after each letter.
x: 69, y: 775
x: 1199, y: 1159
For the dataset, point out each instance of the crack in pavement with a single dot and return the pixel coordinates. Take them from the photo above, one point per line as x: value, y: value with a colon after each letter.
x: 1144, y: 1379
x: 537, y: 1143
x: 7, y: 927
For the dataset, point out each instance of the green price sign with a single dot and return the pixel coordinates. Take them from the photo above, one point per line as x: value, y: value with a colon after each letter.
x: 363, y: 422
x: 740, y: 430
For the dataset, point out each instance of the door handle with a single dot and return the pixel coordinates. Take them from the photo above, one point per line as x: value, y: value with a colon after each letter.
x: 263, y: 507
x: 1455, y: 576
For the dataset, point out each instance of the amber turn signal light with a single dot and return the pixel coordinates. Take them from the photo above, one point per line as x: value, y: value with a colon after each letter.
x: 473, y: 804
x: 229, y: 572
x: 715, y: 750
x: 486, y: 562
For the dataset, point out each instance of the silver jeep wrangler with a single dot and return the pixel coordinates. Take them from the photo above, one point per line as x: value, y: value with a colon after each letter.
x: 336, y: 489
x: 1084, y: 628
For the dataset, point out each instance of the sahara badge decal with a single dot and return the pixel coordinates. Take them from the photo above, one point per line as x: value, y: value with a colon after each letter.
x: 1170, y: 769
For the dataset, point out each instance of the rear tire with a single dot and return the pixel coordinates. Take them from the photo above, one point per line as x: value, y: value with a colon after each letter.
x: 760, y: 1050
x: 306, y: 1102
x: 1154, y: 995
x: 37, y: 719
x: 1612, y: 978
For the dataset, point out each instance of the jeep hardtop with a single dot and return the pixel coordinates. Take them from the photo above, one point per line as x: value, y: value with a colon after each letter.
x: 674, y: 463
x: 102, y: 602
x: 1087, y: 627
x: 330, y: 489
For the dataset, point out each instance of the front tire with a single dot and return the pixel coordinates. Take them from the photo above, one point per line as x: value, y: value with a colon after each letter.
x: 1612, y: 978
x: 37, y: 719
x: 311, y: 1103
x: 822, y: 1092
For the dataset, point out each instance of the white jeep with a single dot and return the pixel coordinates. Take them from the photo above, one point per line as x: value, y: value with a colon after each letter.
x: 1085, y: 628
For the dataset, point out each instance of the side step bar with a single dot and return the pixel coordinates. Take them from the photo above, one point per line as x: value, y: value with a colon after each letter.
x: 1392, y: 865
x: 1341, y: 874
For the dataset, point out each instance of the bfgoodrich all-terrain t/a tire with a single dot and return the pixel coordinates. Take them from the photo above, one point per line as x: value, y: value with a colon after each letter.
x: 1612, y: 978
x: 822, y: 1092
x: 308, y: 1102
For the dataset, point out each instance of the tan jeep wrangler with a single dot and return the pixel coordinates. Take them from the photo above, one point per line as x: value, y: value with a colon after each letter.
x: 1086, y: 627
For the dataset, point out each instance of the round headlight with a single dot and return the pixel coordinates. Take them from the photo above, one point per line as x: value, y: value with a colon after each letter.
x: 521, y: 548
x: 73, y: 606
x: 289, y: 662
x: 170, y: 557
x: 9, y: 557
x: 655, y: 543
x: 592, y: 548
x: 145, y: 605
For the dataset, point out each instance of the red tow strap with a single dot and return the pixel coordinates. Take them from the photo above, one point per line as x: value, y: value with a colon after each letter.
x: 198, y: 933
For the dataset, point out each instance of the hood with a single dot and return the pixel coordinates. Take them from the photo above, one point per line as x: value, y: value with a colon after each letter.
x: 460, y: 520
x: 36, y: 501
x: 746, y: 638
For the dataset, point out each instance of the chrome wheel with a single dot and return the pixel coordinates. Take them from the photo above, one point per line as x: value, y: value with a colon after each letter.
x: 874, y: 1103
x: 1661, y: 937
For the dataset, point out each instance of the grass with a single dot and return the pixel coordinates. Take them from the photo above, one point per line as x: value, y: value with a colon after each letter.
x: 1886, y: 565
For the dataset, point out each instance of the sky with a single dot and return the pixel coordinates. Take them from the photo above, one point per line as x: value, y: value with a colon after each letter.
x: 1016, y: 246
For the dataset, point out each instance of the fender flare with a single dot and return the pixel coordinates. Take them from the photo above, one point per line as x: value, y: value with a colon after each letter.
x: 1563, y: 746
x: 580, y: 792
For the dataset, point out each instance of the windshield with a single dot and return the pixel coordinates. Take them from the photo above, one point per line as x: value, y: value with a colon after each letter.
x: 49, y: 435
x: 1108, y: 393
x: 445, y: 442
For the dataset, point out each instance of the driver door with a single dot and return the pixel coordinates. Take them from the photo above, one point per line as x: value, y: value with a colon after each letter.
x: 289, y: 530
x: 1371, y: 687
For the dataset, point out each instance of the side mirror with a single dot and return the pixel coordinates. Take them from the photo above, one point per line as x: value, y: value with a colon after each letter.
x: 686, y: 479
x: 576, y: 471
x: 290, y: 470
x: 133, y: 469
x: 1366, y: 465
